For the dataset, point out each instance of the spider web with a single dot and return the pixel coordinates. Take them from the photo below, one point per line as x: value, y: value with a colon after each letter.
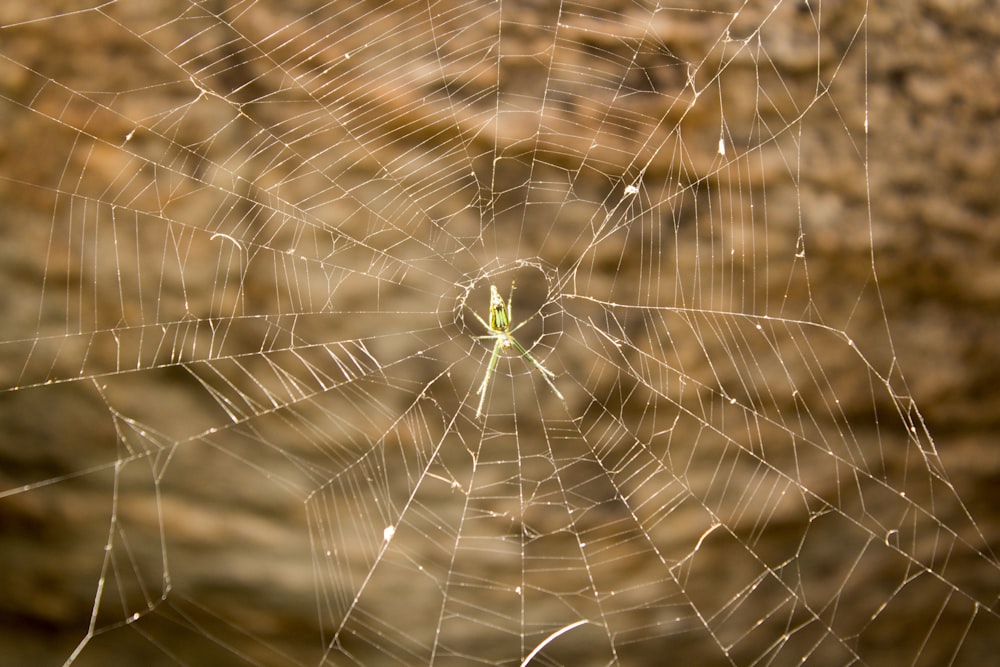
x: 245, y: 244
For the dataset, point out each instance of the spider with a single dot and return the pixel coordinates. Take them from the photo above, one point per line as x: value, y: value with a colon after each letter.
x: 500, y: 331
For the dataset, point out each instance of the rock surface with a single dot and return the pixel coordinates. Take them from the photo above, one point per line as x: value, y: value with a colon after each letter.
x: 137, y: 179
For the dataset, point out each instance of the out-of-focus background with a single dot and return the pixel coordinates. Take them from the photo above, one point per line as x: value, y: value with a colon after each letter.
x: 241, y: 246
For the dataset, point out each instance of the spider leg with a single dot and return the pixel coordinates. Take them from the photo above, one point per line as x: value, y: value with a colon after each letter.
x: 494, y: 358
x: 483, y: 322
x: 510, y: 303
x: 517, y: 326
x: 547, y: 375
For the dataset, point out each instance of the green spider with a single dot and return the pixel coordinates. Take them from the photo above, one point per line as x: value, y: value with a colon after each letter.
x: 500, y: 331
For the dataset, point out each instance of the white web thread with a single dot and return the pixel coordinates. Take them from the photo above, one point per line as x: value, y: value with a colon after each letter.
x: 322, y: 362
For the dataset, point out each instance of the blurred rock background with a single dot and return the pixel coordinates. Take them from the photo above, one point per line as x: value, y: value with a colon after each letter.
x: 927, y: 68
